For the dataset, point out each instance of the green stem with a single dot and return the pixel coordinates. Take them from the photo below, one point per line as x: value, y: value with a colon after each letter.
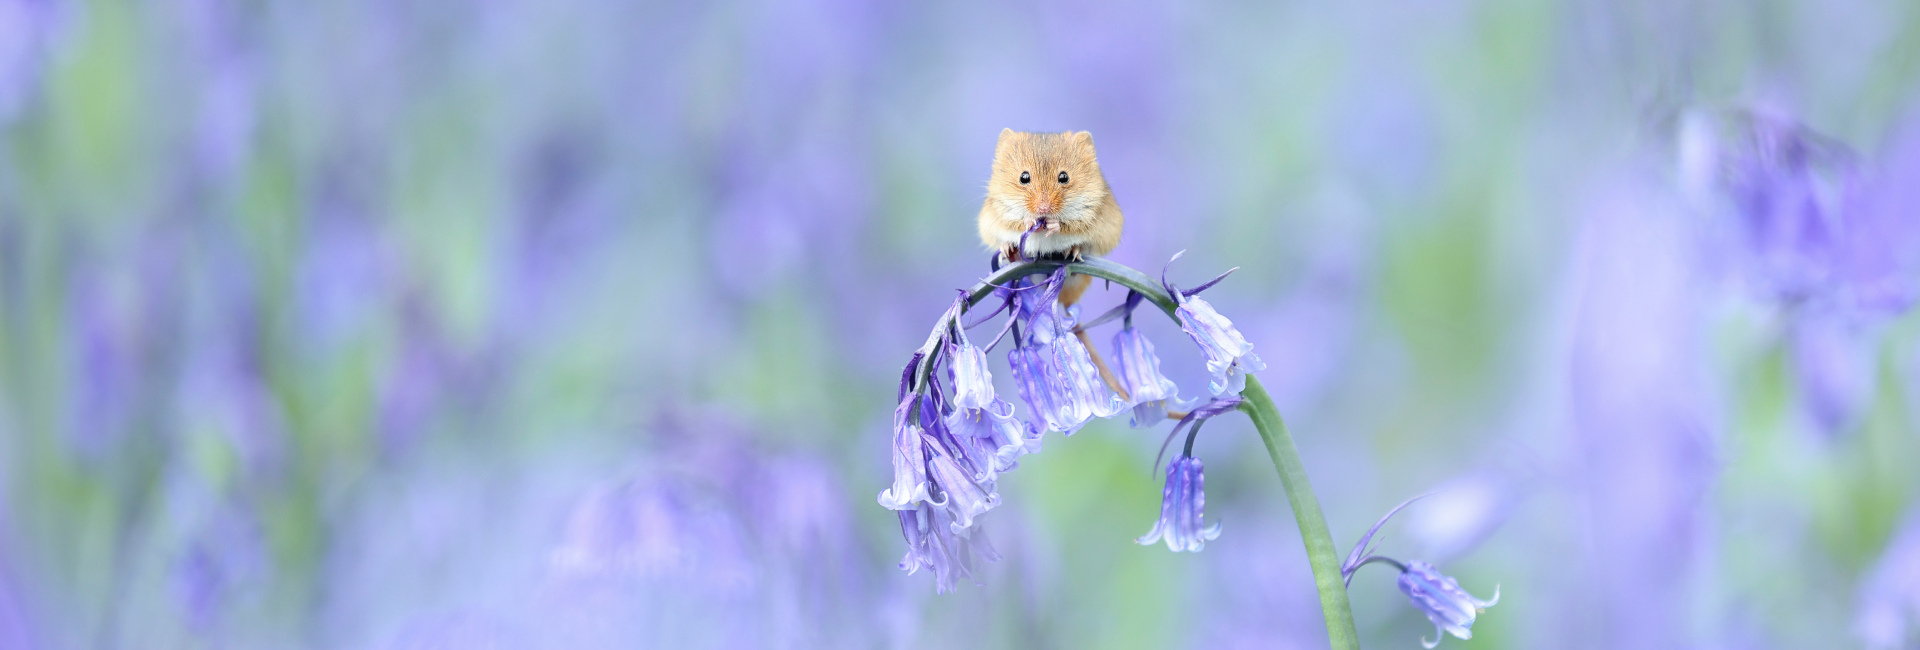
x: 1306, y: 511
x: 1266, y: 418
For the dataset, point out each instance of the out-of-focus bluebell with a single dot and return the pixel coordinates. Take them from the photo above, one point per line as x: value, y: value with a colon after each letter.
x: 1832, y: 358
x: 1880, y: 264
x: 714, y: 528
x: 1450, y: 608
x: 106, y: 369
x: 1828, y: 236
x: 1810, y: 220
x: 1229, y: 356
x: 1183, y: 509
x: 224, y: 557
x: 121, y: 316
x: 653, y: 530
x: 1888, y: 616
x: 223, y: 85
x: 223, y: 395
x: 426, y: 379
x: 344, y: 273
x: 1790, y: 194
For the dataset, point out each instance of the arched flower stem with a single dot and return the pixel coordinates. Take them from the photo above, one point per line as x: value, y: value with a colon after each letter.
x: 1254, y: 402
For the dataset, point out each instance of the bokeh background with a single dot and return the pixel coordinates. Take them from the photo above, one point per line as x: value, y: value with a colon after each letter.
x: 554, y: 323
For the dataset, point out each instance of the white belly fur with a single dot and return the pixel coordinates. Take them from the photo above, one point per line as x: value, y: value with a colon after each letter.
x: 1044, y: 243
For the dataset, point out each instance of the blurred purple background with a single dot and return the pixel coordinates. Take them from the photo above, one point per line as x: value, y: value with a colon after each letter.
x: 576, y: 324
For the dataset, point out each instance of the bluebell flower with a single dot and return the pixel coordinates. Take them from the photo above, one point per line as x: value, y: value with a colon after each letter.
x: 1807, y: 221
x: 994, y: 433
x: 933, y: 544
x: 1182, y: 508
x: 1229, y: 356
x: 972, y: 381
x: 1053, y: 371
x: 964, y: 487
x: 1450, y: 608
x: 910, y: 485
x: 1139, y: 372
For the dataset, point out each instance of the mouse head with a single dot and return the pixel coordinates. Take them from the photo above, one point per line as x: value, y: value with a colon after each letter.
x: 1046, y: 175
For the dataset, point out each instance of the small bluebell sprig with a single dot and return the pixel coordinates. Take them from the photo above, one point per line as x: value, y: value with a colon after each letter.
x: 1451, y: 609
x: 953, y: 435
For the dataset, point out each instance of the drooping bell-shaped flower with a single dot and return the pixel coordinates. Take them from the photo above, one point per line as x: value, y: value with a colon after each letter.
x: 1139, y: 373
x: 1450, y: 608
x: 1182, y: 508
x: 1229, y: 356
x: 910, y: 483
x: 933, y: 544
x: 962, y: 491
x: 972, y: 382
x: 1053, y: 370
x: 994, y: 433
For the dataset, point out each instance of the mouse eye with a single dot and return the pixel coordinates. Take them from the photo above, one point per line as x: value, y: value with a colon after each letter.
x: 1025, y: 178
x: 1063, y: 177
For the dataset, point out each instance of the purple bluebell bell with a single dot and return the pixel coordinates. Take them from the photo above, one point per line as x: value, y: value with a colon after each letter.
x: 1053, y: 371
x: 965, y: 485
x: 932, y: 543
x: 1229, y: 356
x: 1833, y: 369
x: 994, y: 433
x: 972, y: 381
x: 1450, y: 608
x: 1787, y: 188
x: 1139, y: 372
x: 1182, y: 508
x: 1809, y: 223
x: 910, y: 482
x: 654, y: 529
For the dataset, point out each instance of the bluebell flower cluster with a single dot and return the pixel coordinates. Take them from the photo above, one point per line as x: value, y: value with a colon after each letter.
x: 953, y: 435
x: 1818, y: 235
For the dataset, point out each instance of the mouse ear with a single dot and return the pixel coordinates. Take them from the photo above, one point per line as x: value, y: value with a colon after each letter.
x: 1005, y: 133
x: 1083, y: 137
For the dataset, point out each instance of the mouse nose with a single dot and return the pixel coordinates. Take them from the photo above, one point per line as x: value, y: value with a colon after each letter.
x: 1045, y: 206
